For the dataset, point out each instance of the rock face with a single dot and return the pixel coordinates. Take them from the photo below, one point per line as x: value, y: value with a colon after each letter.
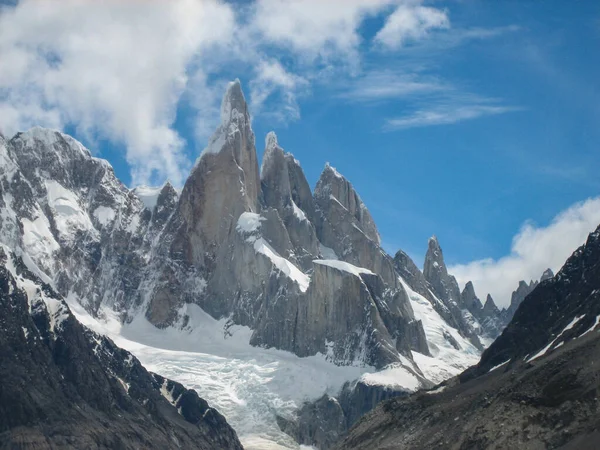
x: 535, y: 387
x: 470, y: 300
x: 445, y: 287
x: 66, y: 386
x: 277, y: 180
x: 224, y: 184
x: 324, y: 422
x: 517, y: 297
x: 488, y: 316
x: 345, y: 225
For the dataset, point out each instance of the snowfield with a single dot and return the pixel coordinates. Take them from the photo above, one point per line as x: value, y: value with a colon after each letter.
x: 248, y: 385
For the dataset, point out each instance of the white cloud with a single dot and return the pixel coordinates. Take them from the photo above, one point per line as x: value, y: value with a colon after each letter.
x: 315, y: 28
x: 271, y: 78
x: 533, y: 250
x: 445, y: 115
x: 109, y: 69
x: 410, y: 22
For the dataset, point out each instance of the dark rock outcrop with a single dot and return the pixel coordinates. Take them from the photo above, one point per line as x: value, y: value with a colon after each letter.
x: 66, y: 386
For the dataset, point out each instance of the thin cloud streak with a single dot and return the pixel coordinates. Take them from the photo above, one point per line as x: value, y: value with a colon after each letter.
x: 445, y: 116
x: 388, y: 85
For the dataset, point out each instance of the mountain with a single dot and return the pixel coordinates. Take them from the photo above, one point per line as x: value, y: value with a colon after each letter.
x: 66, y: 386
x: 536, y: 386
x: 251, y: 246
x: 254, y: 246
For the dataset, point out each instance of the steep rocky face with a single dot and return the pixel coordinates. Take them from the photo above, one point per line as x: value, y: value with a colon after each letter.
x: 517, y: 297
x: 300, y: 190
x: 470, y: 300
x: 490, y: 309
x: 488, y: 316
x: 345, y: 225
x: 445, y: 287
x: 68, y: 212
x: 340, y: 316
x: 223, y: 184
x: 276, y: 188
x: 536, y: 386
x: 66, y: 386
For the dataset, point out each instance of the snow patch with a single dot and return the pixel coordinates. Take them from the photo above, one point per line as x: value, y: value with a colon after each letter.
x: 543, y: 351
x: 148, y: 195
x: 38, y: 239
x: 104, y: 215
x: 69, y: 216
x: 592, y: 327
x: 499, y: 365
x: 249, y: 222
x: 298, y: 212
x: 282, y: 264
x: 343, y: 266
x: 437, y: 390
x: 333, y: 171
x: 394, y: 376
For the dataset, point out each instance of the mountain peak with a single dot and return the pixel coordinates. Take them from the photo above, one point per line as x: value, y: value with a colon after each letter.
x: 547, y: 275
x: 234, y: 119
x: 434, y: 258
x: 234, y: 102
x: 271, y: 140
x: 490, y: 305
x: 330, y: 169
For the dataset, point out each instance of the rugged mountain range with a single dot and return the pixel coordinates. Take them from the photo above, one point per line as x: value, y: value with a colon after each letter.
x: 536, y: 386
x: 255, y: 246
x: 64, y: 386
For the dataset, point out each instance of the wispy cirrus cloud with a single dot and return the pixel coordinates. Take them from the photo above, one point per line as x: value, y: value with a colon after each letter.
x: 445, y: 115
x: 388, y: 85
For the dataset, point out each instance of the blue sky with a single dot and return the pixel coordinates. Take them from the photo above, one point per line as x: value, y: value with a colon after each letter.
x: 464, y: 119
